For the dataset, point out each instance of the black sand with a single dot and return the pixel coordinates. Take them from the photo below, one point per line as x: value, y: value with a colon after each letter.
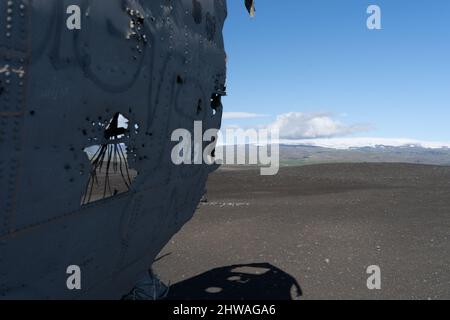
x: 322, y: 226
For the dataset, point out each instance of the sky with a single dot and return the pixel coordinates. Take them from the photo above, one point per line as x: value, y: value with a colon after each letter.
x: 313, y: 69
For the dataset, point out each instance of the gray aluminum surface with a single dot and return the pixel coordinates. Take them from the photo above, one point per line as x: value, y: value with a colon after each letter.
x: 158, y: 63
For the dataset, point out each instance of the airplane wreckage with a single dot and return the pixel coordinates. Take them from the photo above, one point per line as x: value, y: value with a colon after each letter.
x: 90, y: 91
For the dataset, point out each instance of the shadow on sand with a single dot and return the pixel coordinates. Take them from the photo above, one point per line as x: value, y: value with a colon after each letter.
x: 256, y: 281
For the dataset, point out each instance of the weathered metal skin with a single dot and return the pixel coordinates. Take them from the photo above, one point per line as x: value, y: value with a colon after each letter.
x: 158, y: 63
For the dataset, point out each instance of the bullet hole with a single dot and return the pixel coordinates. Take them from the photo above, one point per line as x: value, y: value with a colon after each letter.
x: 179, y: 79
x: 2, y: 89
x: 216, y: 102
x: 136, y: 26
x: 140, y: 20
x: 32, y: 113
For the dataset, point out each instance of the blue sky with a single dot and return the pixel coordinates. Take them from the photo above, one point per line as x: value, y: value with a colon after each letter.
x: 317, y: 56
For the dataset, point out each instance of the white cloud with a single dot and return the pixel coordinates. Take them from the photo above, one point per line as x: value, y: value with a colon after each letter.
x: 298, y: 125
x: 241, y: 115
x: 322, y: 130
x: 360, y: 142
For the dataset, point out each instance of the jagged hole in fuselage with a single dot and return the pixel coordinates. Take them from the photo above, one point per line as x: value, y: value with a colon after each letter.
x: 110, y: 173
